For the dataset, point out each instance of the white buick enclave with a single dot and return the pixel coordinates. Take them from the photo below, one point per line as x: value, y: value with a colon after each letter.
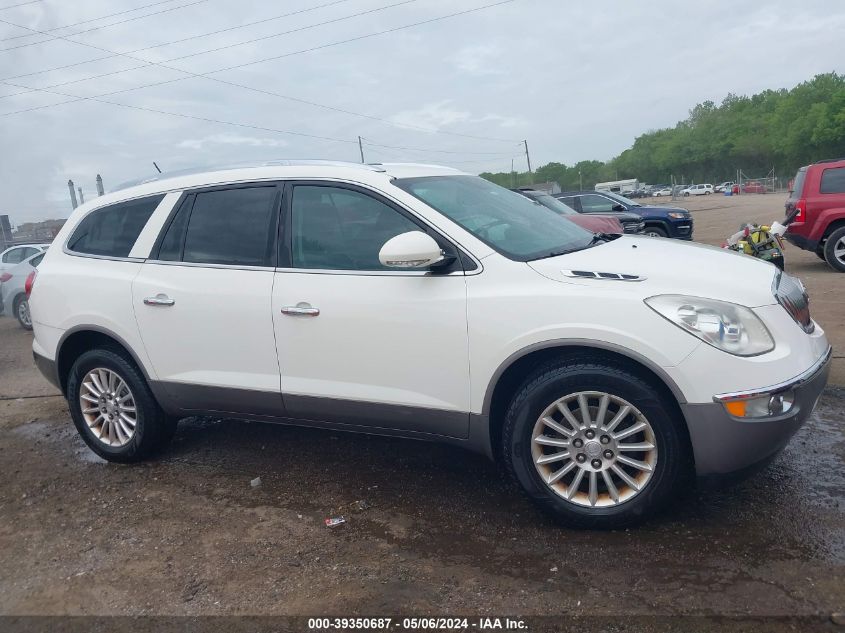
x: 422, y: 302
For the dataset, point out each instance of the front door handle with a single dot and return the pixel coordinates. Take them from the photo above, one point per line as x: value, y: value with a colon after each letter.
x: 159, y: 300
x: 301, y: 309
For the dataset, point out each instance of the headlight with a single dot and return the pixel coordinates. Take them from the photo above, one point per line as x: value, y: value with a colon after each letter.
x: 727, y: 326
x: 678, y: 216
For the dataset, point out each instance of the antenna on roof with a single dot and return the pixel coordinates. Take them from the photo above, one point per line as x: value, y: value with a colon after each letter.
x: 156, y: 166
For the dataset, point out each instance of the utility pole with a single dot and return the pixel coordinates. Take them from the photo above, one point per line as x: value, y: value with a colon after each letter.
x: 528, y: 159
x: 513, y: 176
x: 81, y: 196
x: 72, y: 194
x: 580, y: 182
x: 100, y: 191
x: 361, y: 149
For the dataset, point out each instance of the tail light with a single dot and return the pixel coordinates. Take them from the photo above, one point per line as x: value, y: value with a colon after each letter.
x: 30, y: 282
x: 5, y: 277
x: 801, y: 208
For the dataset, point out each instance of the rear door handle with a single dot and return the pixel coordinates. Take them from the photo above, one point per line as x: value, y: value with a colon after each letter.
x: 301, y: 309
x: 159, y: 300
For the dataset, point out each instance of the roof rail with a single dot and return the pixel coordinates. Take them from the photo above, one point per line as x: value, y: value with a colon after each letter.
x: 249, y: 165
x: 828, y: 160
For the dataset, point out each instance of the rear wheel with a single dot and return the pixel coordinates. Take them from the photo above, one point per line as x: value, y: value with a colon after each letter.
x: 22, y: 314
x: 113, y: 408
x: 834, y: 250
x: 594, y: 444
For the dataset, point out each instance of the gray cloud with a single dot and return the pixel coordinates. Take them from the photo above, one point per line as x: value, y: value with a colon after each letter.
x: 577, y: 80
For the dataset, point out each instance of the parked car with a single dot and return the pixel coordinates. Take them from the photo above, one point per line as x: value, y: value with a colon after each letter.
x: 14, y: 255
x: 724, y: 186
x: 818, y: 200
x: 13, y: 300
x: 663, y: 191
x: 697, y: 190
x: 754, y: 186
x: 426, y: 303
x: 595, y: 222
x: 659, y: 221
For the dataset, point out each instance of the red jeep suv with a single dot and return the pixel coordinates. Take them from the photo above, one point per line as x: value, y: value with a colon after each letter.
x: 818, y: 201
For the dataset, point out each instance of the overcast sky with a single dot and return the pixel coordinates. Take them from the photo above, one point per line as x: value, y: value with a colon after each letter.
x: 579, y: 80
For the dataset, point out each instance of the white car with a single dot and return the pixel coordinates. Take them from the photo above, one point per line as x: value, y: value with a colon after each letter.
x: 666, y: 191
x: 13, y: 300
x: 724, y: 186
x: 422, y: 302
x: 697, y: 190
x: 14, y: 255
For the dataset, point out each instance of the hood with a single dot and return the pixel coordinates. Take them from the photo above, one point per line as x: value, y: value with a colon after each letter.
x: 596, y: 223
x: 658, y: 210
x: 664, y: 266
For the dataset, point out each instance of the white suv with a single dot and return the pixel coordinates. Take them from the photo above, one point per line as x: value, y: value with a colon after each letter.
x: 698, y: 190
x: 422, y: 302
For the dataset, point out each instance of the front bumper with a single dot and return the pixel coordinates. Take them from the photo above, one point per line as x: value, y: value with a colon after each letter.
x: 681, y: 229
x: 724, y: 445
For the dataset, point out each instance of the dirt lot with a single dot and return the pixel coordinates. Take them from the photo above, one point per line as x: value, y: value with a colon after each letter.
x: 431, y: 529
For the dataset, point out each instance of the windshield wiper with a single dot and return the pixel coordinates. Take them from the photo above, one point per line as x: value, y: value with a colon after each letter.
x: 596, y: 239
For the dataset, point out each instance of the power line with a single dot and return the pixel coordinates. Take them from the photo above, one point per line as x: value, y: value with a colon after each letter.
x: 438, y: 151
x: 102, y: 17
x: 20, y: 4
x: 147, y: 62
x: 179, y: 41
x: 268, y: 92
x: 104, y: 26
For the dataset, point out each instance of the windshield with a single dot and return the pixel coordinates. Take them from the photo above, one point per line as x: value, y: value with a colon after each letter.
x: 508, y: 222
x: 552, y: 203
x: 622, y: 199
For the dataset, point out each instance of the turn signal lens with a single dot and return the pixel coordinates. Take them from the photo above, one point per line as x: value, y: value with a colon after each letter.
x: 769, y: 405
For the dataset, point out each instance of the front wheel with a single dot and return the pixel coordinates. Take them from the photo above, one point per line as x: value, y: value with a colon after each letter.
x: 595, y: 445
x: 834, y: 250
x: 654, y: 231
x: 113, y: 408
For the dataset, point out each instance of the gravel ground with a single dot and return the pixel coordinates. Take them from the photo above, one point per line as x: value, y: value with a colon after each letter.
x: 430, y: 529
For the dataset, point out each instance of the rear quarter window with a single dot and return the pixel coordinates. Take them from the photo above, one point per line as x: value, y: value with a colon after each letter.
x: 833, y: 181
x: 112, y: 230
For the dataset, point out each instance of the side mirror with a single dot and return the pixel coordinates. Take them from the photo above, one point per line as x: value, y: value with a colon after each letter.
x: 619, y: 207
x: 413, y: 249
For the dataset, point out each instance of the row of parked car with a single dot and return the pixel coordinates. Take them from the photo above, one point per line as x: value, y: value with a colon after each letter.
x: 606, y: 212
x: 17, y: 264
x: 657, y: 191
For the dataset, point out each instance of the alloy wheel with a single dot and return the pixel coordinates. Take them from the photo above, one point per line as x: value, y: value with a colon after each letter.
x: 23, y: 313
x: 594, y: 449
x: 108, y: 407
x: 839, y: 250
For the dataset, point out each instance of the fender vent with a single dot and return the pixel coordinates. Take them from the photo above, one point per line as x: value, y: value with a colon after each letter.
x: 589, y: 274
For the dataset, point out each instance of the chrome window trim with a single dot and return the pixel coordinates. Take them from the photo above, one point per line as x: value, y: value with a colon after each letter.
x: 111, y: 258
x: 378, y: 273
x: 782, y: 386
x: 208, y: 265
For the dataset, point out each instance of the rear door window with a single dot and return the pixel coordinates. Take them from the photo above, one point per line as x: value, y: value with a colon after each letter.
x: 833, y: 180
x: 112, y: 230
x: 235, y: 227
x: 14, y: 256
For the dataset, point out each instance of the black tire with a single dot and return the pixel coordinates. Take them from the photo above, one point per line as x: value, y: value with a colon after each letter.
x: 830, y: 244
x: 153, y: 429
x: 548, y: 384
x: 21, y: 310
x: 655, y: 231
